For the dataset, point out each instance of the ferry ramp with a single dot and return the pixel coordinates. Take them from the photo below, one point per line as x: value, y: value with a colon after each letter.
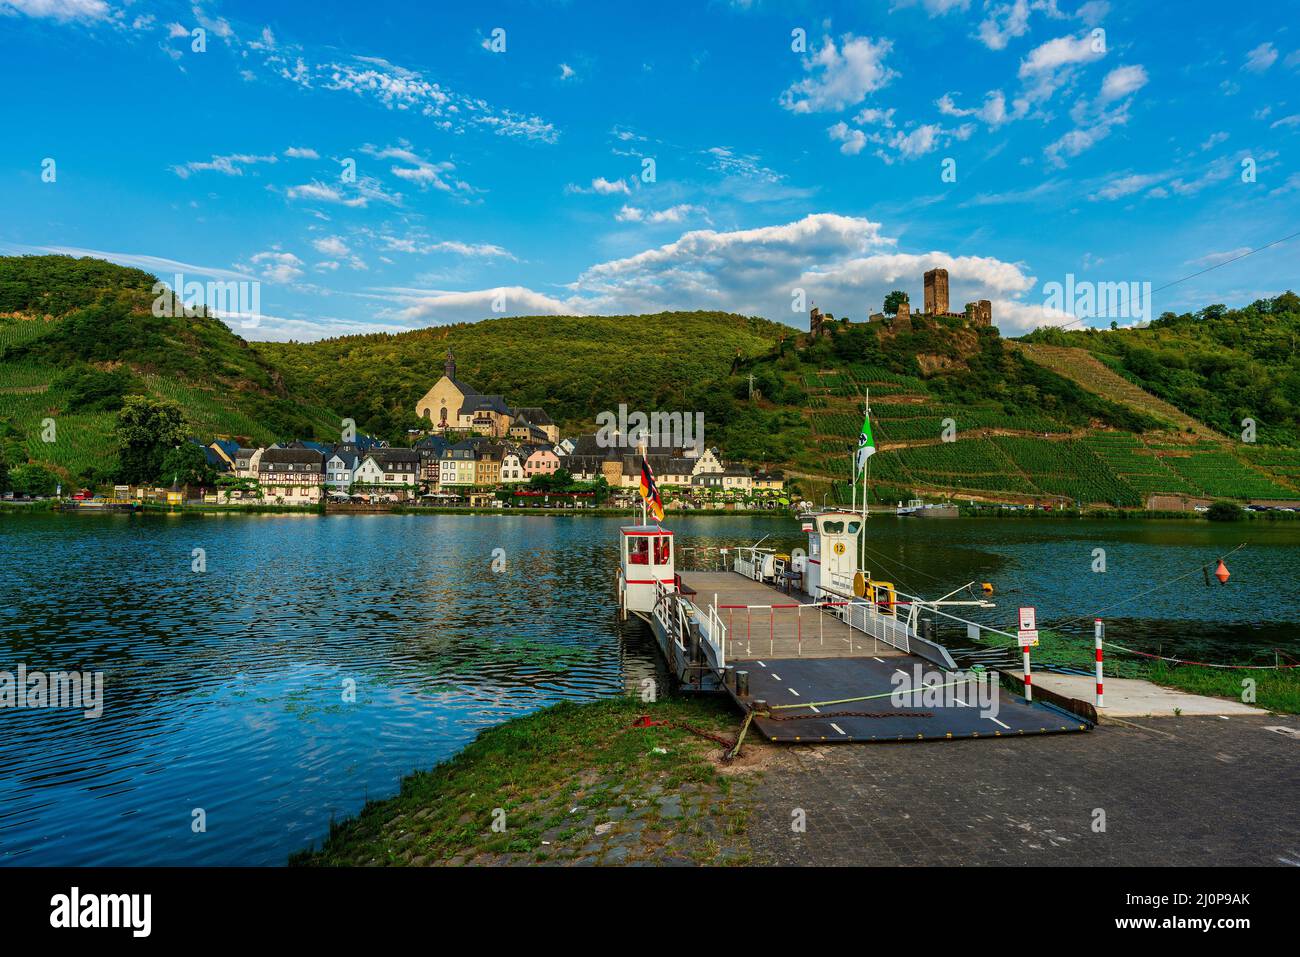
x: 806, y: 675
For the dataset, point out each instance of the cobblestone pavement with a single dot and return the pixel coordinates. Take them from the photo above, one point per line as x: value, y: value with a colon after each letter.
x: 1174, y: 791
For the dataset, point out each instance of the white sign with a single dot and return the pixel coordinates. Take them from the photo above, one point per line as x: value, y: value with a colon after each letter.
x: 1028, y: 633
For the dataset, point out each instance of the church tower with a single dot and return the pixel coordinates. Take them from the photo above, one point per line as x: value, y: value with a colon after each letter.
x: 450, y: 367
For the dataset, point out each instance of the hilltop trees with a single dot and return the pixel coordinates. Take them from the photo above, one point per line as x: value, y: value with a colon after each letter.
x: 893, y: 301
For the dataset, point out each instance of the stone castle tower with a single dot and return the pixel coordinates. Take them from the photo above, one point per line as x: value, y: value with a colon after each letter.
x: 936, y: 292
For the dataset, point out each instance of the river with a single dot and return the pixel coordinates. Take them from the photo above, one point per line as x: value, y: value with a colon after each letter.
x: 299, y: 664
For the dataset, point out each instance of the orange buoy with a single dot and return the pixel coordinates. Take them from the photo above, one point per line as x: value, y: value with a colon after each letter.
x: 1222, y: 573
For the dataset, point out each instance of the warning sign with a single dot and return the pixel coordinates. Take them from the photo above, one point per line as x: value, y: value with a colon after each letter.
x: 1028, y: 632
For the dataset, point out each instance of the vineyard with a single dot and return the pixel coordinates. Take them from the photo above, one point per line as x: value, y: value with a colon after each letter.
x: 934, y: 448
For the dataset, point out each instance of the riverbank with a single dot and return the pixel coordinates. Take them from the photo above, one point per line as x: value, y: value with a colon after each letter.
x: 1274, y: 689
x: 573, y: 784
x: 581, y: 785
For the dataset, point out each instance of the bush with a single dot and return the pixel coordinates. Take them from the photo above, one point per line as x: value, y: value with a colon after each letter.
x: 1224, y: 512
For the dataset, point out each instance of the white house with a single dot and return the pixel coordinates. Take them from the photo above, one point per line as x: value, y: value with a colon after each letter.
x: 339, y: 469
x: 512, y: 467
x: 389, y: 469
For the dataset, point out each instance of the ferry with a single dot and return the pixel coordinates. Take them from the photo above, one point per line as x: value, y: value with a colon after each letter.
x: 916, y: 508
x: 812, y: 647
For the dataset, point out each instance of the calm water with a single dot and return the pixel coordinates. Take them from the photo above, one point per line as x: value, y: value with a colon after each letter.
x: 225, y: 687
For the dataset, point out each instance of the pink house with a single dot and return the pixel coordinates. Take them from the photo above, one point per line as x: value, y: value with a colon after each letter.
x: 541, y: 462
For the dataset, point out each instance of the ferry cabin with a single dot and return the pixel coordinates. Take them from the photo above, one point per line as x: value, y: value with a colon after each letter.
x: 646, y: 561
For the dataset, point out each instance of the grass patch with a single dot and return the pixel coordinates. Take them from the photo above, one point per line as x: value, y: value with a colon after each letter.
x: 575, y: 782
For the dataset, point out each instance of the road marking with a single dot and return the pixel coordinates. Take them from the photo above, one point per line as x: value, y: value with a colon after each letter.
x: 793, y: 692
x: 996, y: 721
x: 838, y: 728
x: 881, y: 660
x: 815, y: 708
x: 761, y: 663
x: 776, y: 676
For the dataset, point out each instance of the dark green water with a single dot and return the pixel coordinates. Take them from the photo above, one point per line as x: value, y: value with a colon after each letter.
x: 225, y: 687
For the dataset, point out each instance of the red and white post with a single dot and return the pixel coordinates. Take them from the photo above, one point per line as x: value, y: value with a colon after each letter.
x: 1099, y: 631
x: 1029, y: 677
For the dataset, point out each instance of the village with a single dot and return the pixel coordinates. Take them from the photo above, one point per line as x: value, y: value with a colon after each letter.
x: 477, y: 451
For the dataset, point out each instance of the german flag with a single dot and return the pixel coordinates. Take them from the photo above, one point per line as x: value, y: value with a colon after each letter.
x: 650, y: 491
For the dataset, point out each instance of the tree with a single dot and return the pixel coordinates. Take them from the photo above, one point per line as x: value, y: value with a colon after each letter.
x: 1224, y: 512
x: 33, y: 480
x: 187, y: 464
x: 147, y: 429
x: 4, y: 471
x: 893, y: 301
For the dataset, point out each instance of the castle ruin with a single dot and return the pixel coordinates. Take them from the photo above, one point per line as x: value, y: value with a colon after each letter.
x: 977, y: 313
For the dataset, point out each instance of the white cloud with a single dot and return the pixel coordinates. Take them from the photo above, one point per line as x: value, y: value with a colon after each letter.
x: 851, y: 141
x: 993, y: 112
x: 441, y: 176
x: 871, y: 116
x: 301, y: 152
x: 418, y: 244
x: 602, y: 187
x: 924, y: 139
x: 438, y: 307
x: 843, y: 262
x: 323, y: 193
x: 1095, y: 121
x: 1292, y: 120
x: 566, y: 71
x: 1128, y: 185
x: 277, y: 266
x: 61, y: 10
x: 232, y: 165
x: 331, y: 246
x: 1261, y: 58
x: 1122, y: 81
x: 1004, y: 23
x: 840, y: 77
x: 1218, y: 259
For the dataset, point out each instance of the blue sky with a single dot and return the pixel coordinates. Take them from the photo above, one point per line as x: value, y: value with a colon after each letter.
x: 795, y: 146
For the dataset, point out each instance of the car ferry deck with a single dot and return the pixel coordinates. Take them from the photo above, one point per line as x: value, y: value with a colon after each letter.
x: 813, y: 649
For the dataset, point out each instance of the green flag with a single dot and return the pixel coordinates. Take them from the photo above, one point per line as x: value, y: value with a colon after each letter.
x: 866, y: 444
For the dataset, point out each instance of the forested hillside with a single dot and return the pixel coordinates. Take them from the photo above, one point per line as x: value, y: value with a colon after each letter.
x: 573, y: 366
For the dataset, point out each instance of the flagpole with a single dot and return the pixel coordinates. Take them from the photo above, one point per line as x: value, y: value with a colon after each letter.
x: 862, y: 538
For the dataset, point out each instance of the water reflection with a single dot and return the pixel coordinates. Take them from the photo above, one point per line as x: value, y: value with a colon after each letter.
x: 226, y: 689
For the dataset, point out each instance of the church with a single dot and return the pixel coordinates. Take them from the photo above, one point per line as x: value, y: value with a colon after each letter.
x: 453, y: 406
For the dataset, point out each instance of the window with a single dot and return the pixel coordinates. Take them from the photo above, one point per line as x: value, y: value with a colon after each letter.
x: 832, y: 528
x: 663, y: 550
x: 853, y: 527
x: 638, y: 550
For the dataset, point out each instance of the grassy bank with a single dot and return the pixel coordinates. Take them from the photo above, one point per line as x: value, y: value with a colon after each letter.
x: 568, y: 784
x: 1276, y: 690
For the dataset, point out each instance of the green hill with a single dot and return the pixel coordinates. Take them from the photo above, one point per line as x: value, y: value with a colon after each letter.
x: 1103, y: 417
x: 573, y: 366
x: 79, y: 334
x: 1046, y: 420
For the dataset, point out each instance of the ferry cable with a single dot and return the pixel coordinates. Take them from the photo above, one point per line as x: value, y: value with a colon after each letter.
x: 1156, y: 587
x: 1180, y: 661
x: 1251, y: 252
